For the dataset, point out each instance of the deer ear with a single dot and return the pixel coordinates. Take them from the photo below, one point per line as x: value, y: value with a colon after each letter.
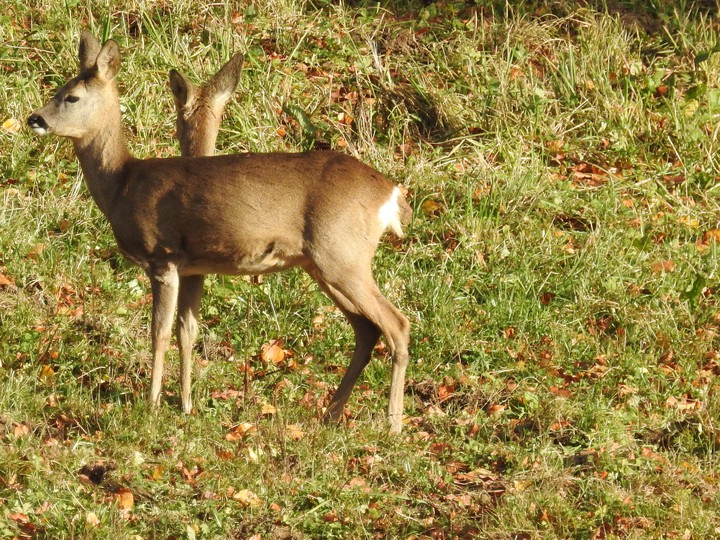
x: 223, y: 85
x: 108, y: 60
x: 89, y: 49
x: 183, y: 90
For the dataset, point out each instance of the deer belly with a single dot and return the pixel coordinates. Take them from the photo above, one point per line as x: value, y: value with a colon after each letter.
x: 270, y: 258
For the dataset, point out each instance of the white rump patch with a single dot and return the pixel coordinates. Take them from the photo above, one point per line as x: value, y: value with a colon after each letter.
x: 389, y: 213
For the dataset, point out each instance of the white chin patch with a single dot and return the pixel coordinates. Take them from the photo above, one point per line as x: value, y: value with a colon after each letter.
x: 40, y: 130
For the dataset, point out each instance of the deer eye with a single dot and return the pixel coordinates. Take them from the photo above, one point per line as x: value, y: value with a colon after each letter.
x: 71, y: 99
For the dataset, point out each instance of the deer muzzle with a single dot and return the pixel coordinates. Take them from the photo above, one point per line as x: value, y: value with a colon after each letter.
x: 37, y: 124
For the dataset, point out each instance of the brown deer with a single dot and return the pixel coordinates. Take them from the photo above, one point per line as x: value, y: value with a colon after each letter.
x: 181, y: 218
x: 200, y: 108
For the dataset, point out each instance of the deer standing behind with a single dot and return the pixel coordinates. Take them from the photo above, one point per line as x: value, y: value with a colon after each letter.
x: 181, y: 218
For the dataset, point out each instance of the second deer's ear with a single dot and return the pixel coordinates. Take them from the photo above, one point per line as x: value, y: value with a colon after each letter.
x: 89, y: 49
x: 224, y: 83
x: 108, y: 60
x: 183, y: 90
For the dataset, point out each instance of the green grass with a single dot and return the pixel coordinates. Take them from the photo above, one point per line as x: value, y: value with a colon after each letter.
x: 560, y: 273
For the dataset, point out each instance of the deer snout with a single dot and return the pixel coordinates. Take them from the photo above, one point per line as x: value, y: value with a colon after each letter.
x: 37, y: 124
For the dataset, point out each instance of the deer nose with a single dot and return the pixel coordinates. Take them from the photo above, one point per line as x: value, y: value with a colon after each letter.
x: 37, y: 122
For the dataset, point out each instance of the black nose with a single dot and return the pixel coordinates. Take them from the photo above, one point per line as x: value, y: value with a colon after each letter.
x: 37, y: 121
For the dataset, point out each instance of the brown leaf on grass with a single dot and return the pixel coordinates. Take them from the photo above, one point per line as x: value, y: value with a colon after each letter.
x: 446, y: 390
x: 673, y: 180
x: 21, y: 430
x: 496, y: 408
x: 624, y: 525
x: 267, y: 409
x: 663, y: 266
x: 515, y: 73
x: 18, y: 517
x: 449, y: 241
x: 588, y: 174
x: 36, y: 251
x: 47, y: 374
x: 247, y: 498
x: 601, y: 324
x: 432, y: 208
x: 272, y: 352
x: 331, y: 517
x: 560, y: 392
x: 705, y: 241
x: 295, y: 432
x: 6, y: 281
x: 439, y: 449
x: 227, y: 394
x: 455, y: 467
x: 12, y: 126
x: 191, y: 476
x: 124, y: 499
x: 240, y: 431
x: 683, y: 404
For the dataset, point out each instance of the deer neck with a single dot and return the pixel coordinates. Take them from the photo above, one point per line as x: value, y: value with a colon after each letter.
x: 103, y: 155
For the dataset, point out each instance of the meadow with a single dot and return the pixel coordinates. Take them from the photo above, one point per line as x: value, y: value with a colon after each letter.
x: 560, y: 274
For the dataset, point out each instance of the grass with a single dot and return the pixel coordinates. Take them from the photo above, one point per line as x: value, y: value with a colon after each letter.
x: 560, y: 274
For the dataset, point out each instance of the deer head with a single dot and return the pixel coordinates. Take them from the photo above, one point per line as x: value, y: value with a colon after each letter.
x: 200, y: 108
x: 79, y: 109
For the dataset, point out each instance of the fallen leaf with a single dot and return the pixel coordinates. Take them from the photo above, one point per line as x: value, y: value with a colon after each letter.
x: 91, y: 519
x: 18, y: 517
x: 663, y: 266
x: 555, y: 146
x: 12, y: 126
x: 137, y: 458
x: 251, y: 454
x: 272, y: 352
x: 357, y: 482
x: 432, y: 208
x: 268, y: 410
x: 295, y: 432
x: 47, y: 373
x: 331, y: 517
x: 157, y: 472
x: 515, y: 73
x: 4, y: 280
x: 125, y: 499
x: 21, y: 430
x: 36, y: 251
x: 497, y: 408
x: 673, y: 179
x: 247, y: 498
x: 240, y: 431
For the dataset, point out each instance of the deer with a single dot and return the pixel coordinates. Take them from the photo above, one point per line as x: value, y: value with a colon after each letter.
x: 199, y: 108
x: 180, y: 218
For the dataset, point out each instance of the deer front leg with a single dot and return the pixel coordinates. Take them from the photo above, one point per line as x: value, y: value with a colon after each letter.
x: 191, y: 290
x: 165, y: 283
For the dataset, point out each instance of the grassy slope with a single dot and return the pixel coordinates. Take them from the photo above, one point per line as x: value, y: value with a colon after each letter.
x: 560, y: 273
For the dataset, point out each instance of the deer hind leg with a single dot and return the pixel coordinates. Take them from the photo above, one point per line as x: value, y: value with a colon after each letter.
x: 191, y: 290
x: 360, y: 297
x: 165, y: 284
x: 366, y: 336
